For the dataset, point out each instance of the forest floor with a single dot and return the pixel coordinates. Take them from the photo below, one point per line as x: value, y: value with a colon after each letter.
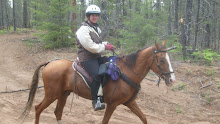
x: 183, y: 103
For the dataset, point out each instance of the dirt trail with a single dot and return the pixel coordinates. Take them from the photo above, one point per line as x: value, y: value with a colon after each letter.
x: 161, y: 105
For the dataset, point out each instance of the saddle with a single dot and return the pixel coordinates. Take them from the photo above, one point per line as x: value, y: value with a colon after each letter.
x: 107, y: 71
x: 78, y: 67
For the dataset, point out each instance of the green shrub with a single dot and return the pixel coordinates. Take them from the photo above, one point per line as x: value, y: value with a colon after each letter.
x: 181, y: 86
x: 206, y: 55
x: 137, y: 33
x: 210, y: 72
x: 52, y: 21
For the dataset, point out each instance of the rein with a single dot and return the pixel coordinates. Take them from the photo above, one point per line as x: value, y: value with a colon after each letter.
x: 138, y: 87
x: 158, y: 81
x: 154, y: 53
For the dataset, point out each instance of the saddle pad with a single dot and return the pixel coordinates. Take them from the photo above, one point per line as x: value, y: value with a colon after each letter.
x: 81, y: 75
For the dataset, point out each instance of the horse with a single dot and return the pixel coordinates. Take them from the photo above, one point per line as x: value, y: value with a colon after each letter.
x: 58, y: 77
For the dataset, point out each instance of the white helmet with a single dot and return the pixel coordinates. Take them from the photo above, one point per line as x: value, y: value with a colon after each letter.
x: 92, y: 9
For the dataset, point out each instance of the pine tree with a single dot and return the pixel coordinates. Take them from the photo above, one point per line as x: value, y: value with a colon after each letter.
x: 52, y: 19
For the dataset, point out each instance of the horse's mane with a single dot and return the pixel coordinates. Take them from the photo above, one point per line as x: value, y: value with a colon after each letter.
x: 131, y: 58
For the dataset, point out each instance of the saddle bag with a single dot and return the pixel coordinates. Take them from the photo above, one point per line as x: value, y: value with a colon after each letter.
x: 102, y: 69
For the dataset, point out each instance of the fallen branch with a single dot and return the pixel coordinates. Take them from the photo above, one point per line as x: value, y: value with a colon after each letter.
x: 216, y: 90
x: 6, y: 91
x: 206, y: 85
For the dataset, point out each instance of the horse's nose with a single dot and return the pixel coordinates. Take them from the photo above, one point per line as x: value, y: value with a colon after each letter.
x: 172, y: 80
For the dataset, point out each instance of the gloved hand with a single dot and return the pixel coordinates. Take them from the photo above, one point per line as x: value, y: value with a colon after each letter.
x: 109, y: 47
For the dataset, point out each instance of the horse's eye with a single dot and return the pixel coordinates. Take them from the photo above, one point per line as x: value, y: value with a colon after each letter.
x: 162, y: 61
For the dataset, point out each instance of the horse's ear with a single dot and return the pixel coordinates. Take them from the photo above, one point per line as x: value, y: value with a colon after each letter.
x: 164, y: 42
x: 157, y: 45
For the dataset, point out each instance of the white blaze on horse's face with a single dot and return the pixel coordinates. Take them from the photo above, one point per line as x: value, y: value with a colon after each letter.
x: 170, y: 68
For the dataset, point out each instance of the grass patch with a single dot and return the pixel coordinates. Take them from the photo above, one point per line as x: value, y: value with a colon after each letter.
x: 210, y: 72
x: 18, y: 30
x: 206, y: 96
x: 30, y: 42
x: 180, y: 86
x: 178, y: 109
x: 189, y: 72
x: 3, y: 32
x: 209, y: 99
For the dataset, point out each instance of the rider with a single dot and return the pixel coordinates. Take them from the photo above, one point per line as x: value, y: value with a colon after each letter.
x: 90, y: 46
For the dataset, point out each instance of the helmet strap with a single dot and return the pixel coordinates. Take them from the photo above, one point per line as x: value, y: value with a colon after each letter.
x: 93, y: 24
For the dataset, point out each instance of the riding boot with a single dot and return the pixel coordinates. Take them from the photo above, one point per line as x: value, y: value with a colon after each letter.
x: 96, y: 100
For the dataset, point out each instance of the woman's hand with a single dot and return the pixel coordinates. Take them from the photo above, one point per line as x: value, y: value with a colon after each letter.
x: 109, y: 47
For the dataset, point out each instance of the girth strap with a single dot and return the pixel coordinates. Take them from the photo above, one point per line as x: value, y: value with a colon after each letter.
x: 136, y: 87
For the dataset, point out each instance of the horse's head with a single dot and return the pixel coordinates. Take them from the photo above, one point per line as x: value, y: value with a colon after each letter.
x: 161, y: 63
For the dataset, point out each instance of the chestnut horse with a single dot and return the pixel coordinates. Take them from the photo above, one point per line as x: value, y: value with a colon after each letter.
x: 58, y: 77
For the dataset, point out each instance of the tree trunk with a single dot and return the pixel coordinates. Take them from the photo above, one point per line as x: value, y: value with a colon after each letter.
x: 158, y: 7
x: 188, y: 21
x: 218, y: 36
x: 196, y: 25
x: 14, y: 16
x: 117, y: 21
x: 169, y: 19
x: 83, y: 10
x: 137, y: 6
x: 176, y: 8
x: 181, y: 9
x: 214, y: 23
x: 35, y: 14
x: 183, y: 39
x: 104, y: 18
x: 25, y: 14
x: 6, y: 13
x: 73, y: 27
x: 124, y: 12
x: 207, y: 36
x: 157, y: 15
x: 130, y: 7
x: 2, y: 13
x: 130, y: 4
x: 203, y: 16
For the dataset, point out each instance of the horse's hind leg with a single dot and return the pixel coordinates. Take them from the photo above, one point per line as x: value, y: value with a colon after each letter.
x: 60, y: 105
x: 39, y: 108
x: 136, y: 110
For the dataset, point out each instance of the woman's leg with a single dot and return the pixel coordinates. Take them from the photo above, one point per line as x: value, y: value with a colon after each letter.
x: 92, y: 67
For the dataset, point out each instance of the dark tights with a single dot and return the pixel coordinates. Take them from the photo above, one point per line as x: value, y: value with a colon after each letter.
x: 92, y: 67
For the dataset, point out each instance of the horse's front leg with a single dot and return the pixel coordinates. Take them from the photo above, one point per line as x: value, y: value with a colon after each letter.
x: 136, y: 110
x: 108, y: 113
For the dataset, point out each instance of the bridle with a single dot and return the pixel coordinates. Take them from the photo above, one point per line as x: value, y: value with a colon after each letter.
x: 132, y: 84
x: 162, y: 73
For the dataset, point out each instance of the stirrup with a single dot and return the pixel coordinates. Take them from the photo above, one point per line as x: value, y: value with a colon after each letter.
x: 99, y: 106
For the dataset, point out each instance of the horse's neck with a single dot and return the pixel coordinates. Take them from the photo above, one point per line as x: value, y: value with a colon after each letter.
x: 143, y: 63
x: 141, y: 67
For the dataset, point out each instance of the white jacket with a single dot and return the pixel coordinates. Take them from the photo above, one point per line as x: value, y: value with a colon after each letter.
x: 83, y: 35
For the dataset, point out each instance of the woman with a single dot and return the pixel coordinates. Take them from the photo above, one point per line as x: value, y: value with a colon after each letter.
x: 90, y: 47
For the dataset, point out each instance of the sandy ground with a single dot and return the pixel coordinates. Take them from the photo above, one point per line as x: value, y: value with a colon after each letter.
x: 180, y: 104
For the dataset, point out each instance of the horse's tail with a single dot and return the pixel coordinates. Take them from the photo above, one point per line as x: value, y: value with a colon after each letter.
x: 33, y: 89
